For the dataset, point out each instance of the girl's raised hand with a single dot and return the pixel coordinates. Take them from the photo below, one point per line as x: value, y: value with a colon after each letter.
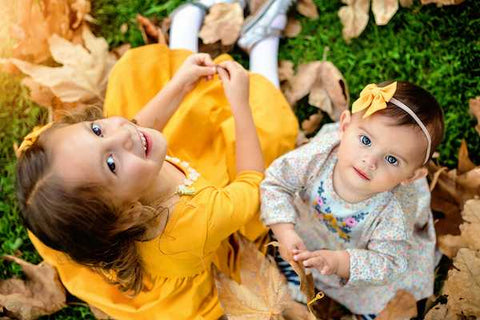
x: 235, y: 83
x: 196, y: 66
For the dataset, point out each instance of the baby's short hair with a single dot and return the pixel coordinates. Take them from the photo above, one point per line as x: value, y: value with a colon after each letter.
x: 423, y: 104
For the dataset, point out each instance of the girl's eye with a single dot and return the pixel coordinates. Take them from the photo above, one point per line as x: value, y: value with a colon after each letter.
x: 96, y: 129
x: 365, y: 140
x: 111, y: 163
x: 392, y: 160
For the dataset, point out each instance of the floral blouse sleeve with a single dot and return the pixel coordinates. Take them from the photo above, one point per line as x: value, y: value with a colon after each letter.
x: 286, y: 176
x: 385, y: 257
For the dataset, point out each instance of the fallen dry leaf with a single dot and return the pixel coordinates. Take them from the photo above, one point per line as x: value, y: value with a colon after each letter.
x: 293, y: 28
x: 474, y: 105
x: 285, y: 70
x: 302, y: 82
x: 263, y: 293
x: 325, y: 85
x: 462, y: 288
x: 354, y: 17
x: 406, y: 3
x: 317, y: 304
x: 331, y: 80
x: 402, y: 306
x: 33, y: 22
x: 150, y: 32
x: 223, y: 23
x: 469, y: 231
x: 40, y: 294
x: 464, y: 162
x: 384, y: 10
x: 81, y: 9
x: 312, y: 123
x: 450, y: 192
x: 307, y: 8
x: 83, y: 76
x: 441, y: 3
x: 297, y: 311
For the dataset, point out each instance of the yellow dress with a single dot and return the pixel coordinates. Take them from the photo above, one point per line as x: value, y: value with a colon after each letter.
x: 201, y: 132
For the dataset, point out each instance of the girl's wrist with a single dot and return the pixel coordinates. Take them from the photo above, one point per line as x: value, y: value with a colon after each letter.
x: 343, y: 264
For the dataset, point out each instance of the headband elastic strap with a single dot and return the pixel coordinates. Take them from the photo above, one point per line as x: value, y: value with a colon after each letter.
x: 402, y: 106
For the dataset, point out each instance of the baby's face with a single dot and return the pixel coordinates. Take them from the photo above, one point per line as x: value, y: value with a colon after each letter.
x: 121, y: 157
x: 375, y: 155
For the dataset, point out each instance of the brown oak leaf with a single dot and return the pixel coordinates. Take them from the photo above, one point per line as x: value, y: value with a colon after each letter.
x: 293, y: 28
x: 469, y: 231
x: 406, y: 3
x: 285, y: 70
x: 262, y: 293
x: 307, y: 8
x: 441, y: 3
x: 354, y: 17
x: 464, y: 162
x: 462, y: 289
x: 40, y: 294
x: 83, y: 76
x: 31, y: 23
x: 402, y: 306
x: 384, y: 10
x: 450, y: 190
x: 223, y: 23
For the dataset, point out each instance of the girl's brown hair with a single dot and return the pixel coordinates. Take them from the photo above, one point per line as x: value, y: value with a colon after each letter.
x: 423, y: 104
x: 81, y: 221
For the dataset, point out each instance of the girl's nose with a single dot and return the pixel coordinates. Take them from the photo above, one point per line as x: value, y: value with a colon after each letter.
x: 122, y: 137
x: 370, y: 161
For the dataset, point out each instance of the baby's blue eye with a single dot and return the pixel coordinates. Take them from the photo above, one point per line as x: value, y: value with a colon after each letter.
x: 365, y: 140
x: 111, y: 163
x: 96, y: 129
x: 392, y: 160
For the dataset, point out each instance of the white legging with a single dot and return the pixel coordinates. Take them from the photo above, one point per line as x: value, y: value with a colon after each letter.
x: 186, y: 23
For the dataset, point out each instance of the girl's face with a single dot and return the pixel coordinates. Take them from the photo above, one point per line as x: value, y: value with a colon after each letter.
x: 114, y: 153
x: 375, y: 155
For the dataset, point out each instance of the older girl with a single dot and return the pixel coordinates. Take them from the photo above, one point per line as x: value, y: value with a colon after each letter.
x: 134, y: 219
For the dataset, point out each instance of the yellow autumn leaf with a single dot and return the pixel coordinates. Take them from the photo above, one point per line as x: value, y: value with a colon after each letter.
x: 262, y: 293
x: 82, y: 78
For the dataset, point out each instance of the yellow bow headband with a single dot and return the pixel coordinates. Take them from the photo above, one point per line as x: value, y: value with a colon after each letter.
x: 30, y: 138
x: 375, y: 98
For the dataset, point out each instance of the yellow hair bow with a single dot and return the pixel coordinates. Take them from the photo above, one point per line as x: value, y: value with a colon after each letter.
x: 30, y: 138
x: 374, y: 98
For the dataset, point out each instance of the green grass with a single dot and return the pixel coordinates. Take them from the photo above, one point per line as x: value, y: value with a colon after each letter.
x: 437, y: 48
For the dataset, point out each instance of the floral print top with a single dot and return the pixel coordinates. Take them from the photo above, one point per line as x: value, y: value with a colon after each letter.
x: 390, y: 236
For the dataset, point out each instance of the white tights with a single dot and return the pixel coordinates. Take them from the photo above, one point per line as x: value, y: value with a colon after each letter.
x: 186, y: 25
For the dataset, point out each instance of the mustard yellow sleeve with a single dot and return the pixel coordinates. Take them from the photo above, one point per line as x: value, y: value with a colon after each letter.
x: 233, y: 206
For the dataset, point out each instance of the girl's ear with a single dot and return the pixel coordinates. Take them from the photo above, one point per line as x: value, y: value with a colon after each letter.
x: 417, y: 174
x: 345, y: 119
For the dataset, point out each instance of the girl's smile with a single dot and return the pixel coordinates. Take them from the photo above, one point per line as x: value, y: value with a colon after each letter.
x: 113, y: 153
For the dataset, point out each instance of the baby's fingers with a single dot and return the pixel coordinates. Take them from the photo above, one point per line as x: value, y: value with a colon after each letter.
x: 315, y: 262
x: 302, y: 255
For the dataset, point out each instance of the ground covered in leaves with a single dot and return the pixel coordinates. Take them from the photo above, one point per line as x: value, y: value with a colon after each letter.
x: 435, y: 47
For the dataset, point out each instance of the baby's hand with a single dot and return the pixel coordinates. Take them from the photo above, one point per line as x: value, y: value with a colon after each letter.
x: 235, y: 84
x: 325, y: 261
x: 288, y: 238
x: 196, y: 66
